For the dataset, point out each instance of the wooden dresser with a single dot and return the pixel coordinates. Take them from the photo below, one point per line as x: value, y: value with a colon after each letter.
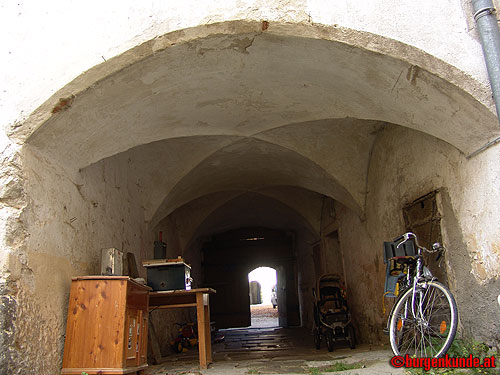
x: 106, y: 331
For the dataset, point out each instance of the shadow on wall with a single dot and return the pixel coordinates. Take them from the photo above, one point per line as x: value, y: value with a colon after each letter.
x: 473, y: 299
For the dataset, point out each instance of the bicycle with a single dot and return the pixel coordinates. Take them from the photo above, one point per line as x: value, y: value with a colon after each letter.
x: 423, y: 320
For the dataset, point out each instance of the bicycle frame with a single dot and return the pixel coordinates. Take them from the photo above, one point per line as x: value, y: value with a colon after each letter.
x: 416, y: 280
x: 414, y: 277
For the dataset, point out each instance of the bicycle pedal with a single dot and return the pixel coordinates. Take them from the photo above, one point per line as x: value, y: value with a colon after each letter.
x: 386, y: 331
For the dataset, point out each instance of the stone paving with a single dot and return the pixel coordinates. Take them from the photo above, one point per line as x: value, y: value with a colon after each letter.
x: 276, y: 351
x: 264, y: 316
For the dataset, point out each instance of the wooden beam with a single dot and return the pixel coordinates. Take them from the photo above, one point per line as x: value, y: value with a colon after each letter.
x: 172, y: 306
x: 155, y: 345
x: 202, y: 340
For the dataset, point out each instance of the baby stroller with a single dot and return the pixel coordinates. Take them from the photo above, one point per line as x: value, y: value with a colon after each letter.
x: 332, y: 318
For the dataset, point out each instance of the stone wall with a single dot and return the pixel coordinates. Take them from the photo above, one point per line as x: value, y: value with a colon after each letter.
x: 66, y: 221
x: 405, y: 166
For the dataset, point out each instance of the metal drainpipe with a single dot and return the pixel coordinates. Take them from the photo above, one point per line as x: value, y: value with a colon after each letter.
x: 487, y: 25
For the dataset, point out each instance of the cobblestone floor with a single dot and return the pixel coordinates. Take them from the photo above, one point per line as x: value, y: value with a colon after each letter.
x: 276, y: 350
x: 263, y: 316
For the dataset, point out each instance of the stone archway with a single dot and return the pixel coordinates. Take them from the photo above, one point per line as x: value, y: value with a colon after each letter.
x: 235, y: 107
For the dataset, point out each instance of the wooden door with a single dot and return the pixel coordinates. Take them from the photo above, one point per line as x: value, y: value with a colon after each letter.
x: 423, y: 218
x: 282, y: 300
x: 230, y: 306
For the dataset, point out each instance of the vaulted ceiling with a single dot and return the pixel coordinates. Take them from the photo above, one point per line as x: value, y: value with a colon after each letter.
x: 247, y: 111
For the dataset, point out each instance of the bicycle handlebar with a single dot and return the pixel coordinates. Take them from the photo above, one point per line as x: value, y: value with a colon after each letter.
x: 398, y: 239
x: 409, y: 235
x: 406, y: 237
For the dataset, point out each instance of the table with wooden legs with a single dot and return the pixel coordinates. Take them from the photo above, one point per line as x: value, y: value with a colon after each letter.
x: 198, y: 298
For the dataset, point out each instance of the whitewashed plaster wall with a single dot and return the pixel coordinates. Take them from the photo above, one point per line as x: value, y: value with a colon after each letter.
x: 71, y: 218
x: 46, y: 45
x: 406, y: 165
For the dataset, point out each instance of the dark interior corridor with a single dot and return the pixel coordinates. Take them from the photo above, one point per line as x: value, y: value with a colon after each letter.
x: 228, y: 258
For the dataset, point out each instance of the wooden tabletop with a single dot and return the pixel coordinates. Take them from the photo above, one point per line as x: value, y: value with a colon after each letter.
x: 181, y: 292
x: 168, y: 299
x: 99, y: 277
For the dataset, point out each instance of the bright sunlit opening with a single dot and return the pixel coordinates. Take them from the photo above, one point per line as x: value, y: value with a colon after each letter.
x: 266, y: 277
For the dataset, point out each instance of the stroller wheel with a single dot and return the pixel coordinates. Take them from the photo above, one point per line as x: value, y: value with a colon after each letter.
x: 350, y: 336
x: 317, y: 339
x: 329, y: 340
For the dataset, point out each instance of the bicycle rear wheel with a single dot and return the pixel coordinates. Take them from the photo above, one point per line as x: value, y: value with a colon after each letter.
x: 428, y: 329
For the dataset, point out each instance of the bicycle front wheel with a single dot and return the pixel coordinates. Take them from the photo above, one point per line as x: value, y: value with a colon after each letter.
x: 424, y: 326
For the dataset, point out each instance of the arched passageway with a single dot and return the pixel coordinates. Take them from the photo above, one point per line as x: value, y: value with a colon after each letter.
x: 295, y: 134
x: 227, y: 245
